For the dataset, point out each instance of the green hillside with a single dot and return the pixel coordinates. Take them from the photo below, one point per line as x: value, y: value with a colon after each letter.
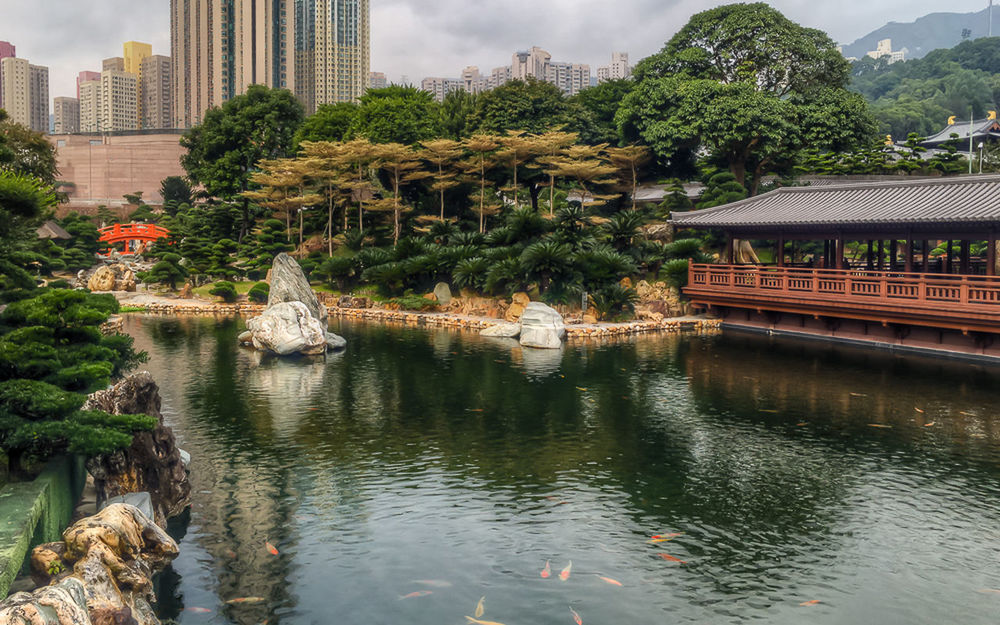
x: 930, y: 32
x: 919, y: 95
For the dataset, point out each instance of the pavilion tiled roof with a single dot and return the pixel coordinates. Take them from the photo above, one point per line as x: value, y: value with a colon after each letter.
x: 970, y: 200
x: 980, y: 128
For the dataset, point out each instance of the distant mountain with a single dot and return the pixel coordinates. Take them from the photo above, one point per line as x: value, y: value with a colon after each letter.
x: 930, y: 32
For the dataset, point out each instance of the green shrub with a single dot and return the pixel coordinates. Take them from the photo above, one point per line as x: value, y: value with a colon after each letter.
x: 259, y: 293
x: 413, y: 302
x: 337, y: 271
x: 224, y: 289
x: 675, y: 272
x: 614, y: 301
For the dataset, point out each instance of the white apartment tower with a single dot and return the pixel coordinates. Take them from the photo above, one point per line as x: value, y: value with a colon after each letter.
x: 531, y: 63
x: 26, y: 93
x: 90, y: 106
x: 119, y: 101
x: 617, y: 70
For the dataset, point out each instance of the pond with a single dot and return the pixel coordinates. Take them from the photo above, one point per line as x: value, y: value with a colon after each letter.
x: 421, y: 470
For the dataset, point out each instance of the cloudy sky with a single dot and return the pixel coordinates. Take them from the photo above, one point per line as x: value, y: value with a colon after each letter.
x: 418, y: 38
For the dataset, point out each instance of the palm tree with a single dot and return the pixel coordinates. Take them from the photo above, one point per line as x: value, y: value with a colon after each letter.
x: 545, y: 260
x: 583, y: 165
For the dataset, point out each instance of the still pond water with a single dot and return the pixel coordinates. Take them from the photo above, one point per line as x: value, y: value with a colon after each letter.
x: 419, y: 471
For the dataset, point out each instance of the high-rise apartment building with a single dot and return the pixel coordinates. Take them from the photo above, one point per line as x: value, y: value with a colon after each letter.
x: 114, y: 64
x: 332, y: 51
x: 83, y: 77
x: 440, y: 87
x: 7, y: 50
x: 134, y: 53
x: 38, y: 97
x: 155, y: 101
x: 617, y: 70
x: 571, y: 78
x: 221, y: 47
x: 377, y: 80
x: 318, y: 49
x: 26, y: 93
x: 118, y: 107
x: 67, y: 116
x: 90, y: 105
x: 531, y: 63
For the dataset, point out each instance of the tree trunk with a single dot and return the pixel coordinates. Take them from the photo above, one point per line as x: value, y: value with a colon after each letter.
x: 534, y: 190
x: 552, y: 195
x: 440, y: 178
x: 395, y: 209
x: 635, y: 184
x: 739, y: 170
x: 245, y: 228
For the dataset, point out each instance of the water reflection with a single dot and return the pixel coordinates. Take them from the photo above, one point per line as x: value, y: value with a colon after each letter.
x: 437, y: 455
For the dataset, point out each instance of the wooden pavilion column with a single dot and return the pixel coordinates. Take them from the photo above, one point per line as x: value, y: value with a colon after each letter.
x: 730, y: 255
x: 871, y: 254
x: 908, y: 265
x: 947, y: 260
x: 881, y: 254
x: 926, y: 249
x: 964, y: 257
x: 893, y: 251
x: 840, y: 251
x: 991, y: 255
x: 781, y: 250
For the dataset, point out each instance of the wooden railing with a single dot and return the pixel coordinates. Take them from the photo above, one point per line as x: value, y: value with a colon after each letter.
x: 937, y: 295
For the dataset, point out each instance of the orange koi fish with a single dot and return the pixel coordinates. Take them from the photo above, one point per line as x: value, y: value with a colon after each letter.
x: 879, y: 425
x: 417, y: 593
x: 766, y: 410
x: 476, y: 621
x: 810, y: 602
x: 608, y: 580
x: 546, y: 571
x: 473, y: 409
x: 931, y: 424
x: 580, y: 388
x: 984, y: 590
x: 197, y: 610
x: 670, y: 558
x: 859, y: 395
x: 480, y: 608
x: 564, y: 574
x: 798, y: 425
x: 576, y: 617
x: 918, y: 410
x: 667, y: 536
x: 248, y: 600
x: 270, y: 548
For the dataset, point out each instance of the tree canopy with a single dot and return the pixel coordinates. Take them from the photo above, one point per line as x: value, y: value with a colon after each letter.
x: 750, y: 88
x: 529, y: 105
x: 396, y: 114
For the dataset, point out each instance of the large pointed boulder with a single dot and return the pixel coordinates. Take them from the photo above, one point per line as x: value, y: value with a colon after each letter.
x: 289, y: 284
x: 542, y: 327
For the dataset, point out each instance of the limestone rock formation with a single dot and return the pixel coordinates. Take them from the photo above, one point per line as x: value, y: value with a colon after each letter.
x: 108, y: 560
x: 288, y: 328
x: 64, y: 603
x: 117, y: 277
x: 542, y: 327
x: 503, y: 331
x: 152, y: 463
x: 443, y: 293
x: 294, y: 321
x: 518, y: 303
x: 289, y: 284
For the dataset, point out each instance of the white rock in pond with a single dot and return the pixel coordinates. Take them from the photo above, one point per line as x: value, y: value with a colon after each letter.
x: 288, y: 328
x: 443, y: 293
x: 245, y: 337
x: 503, y: 331
x: 542, y: 327
x: 289, y: 284
x: 335, y: 342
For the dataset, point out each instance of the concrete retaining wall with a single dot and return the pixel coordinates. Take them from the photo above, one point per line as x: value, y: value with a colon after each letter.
x: 36, y: 512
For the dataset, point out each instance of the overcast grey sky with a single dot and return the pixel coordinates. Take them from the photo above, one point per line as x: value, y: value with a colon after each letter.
x: 418, y: 38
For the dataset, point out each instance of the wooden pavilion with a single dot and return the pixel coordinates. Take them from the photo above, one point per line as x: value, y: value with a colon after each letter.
x: 907, y: 264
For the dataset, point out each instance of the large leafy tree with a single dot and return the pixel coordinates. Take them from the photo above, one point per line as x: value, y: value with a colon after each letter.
x: 528, y: 105
x: 25, y: 151
x: 397, y: 114
x: 749, y: 87
x: 224, y: 150
x: 330, y: 122
x: 594, y: 111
